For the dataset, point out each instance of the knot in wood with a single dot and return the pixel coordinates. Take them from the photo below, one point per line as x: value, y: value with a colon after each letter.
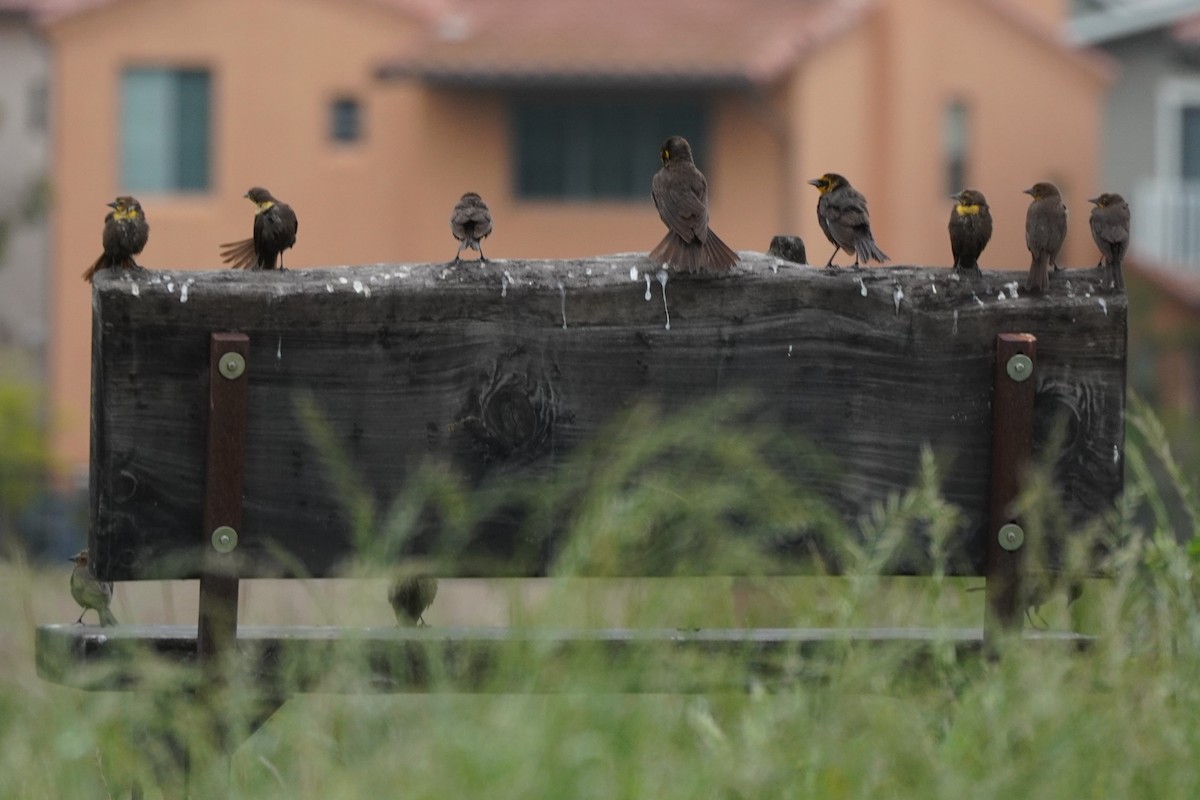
x: 514, y: 417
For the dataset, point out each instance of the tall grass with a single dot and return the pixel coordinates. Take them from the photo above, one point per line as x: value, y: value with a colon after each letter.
x: 1116, y: 721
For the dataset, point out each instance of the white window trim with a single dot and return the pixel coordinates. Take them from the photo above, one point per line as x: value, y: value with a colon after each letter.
x: 1174, y: 94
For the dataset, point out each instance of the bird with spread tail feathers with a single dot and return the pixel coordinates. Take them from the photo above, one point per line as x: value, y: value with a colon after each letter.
x: 1045, y: 232
x: 275, y: 229
x: 1110, y: 231
x: 89, y: 591
x: 970, y: 229
x: 471, y: 223
x: 843, y: 217
x: 680, y: 193
x: 125, y: 235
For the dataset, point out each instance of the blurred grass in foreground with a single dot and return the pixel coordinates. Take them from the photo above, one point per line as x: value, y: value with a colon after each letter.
x: 1118, y: 721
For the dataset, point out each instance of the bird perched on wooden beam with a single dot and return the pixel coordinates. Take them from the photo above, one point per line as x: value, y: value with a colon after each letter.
x: 275, y: 228
x: 680, y: 193
x: 843, y: 217
x: 411, y: 596
x: 125, y: 235
x: 471, y: 223
x: 970, y: 229
x: 1045, y: 232
x: 1110, y: 231
x: 89, y: 591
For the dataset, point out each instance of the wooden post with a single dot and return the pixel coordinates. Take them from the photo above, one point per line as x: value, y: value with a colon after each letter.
x: 1012, y: 449
x: 225, y: 471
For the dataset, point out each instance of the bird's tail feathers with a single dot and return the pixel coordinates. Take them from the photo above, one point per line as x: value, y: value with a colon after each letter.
x: 713, y: 255
x: 106, y: 616
x: 240, y: 255
x: 1039, y: 275
x: 91, y: 271
x: 866, y: 250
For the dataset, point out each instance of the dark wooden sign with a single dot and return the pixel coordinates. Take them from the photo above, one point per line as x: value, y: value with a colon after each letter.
x: 513, y: 365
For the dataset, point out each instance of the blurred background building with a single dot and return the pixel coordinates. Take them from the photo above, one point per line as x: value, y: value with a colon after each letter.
x: 371, y: 117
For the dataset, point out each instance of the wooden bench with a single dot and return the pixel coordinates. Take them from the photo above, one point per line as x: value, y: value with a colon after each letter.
x: 204, y: 463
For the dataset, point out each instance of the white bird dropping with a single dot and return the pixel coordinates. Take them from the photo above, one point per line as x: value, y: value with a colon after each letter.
x: 662, y: 281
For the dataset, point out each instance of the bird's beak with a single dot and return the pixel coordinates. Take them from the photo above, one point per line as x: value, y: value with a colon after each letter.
x: 1094, y: 201
x: 1027, y: 191
x: 815, y: 182
x: 113, y: 205
x: 956, y: 197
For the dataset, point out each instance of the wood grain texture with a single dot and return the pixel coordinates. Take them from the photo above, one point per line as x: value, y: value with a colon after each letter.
x: 512, y: 366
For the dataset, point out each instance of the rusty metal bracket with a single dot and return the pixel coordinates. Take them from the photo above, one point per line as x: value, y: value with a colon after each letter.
x: 1012, y: 451
x: 227, y: 394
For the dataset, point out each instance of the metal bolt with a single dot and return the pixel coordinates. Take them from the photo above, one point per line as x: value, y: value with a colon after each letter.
x: 1020, y: 367
x: 232, y: 365
x: 224, y: 539
x: 1011, y: 536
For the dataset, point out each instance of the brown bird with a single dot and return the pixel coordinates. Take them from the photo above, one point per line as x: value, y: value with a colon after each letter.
x: 1110, y: 230
x: 90, y: 592
x: 1045, y: 231
x: 471, y: 223
x: 842, y: 214
x: 680, y: 194
x: 411, y: 596
x: 275, y: 229
x: 970, y: 229
x: 125, y: 234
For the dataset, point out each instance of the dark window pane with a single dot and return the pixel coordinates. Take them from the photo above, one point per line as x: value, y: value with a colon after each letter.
x: 345, y: 120
x: 954, y: 144
x: 1190, y: 158
x: 165, y: 130
x: 604, y: 148
x: 191, y: 142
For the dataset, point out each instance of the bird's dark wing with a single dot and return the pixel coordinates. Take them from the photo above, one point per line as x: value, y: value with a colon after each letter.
x: 847, y: 208
x: 681, y: 197
x: 1113, y: 225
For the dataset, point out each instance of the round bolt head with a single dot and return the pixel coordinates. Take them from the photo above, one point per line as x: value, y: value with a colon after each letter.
x: 232, y: 365
x: 224, y: 539
x: 1011, y: 536
x: 1020, y: 367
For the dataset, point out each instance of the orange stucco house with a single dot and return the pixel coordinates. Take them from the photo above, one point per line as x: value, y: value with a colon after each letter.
x: 371, y: 117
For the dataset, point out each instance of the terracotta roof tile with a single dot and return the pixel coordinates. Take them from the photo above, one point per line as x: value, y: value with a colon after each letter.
x: 489, y: 42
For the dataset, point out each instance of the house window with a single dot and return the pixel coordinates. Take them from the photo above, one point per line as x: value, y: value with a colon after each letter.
x: 345, y: 120
x: 954, y: 144
x: 600, y: 148
x: 165, y: 130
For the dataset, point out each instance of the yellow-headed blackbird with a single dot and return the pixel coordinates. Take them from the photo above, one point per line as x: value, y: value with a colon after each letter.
x: 470, y: 222
x: 970, y: 229
x: 125, y: 235
x: 680, y: 194
x: 842, y: 213
x: 1045, y: 231
x: 1110, y: 230
x: 411, y: 596
x: 89, y: 591
x: 275, y: 229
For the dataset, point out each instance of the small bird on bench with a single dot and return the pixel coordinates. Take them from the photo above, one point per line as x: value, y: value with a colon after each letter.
x: 843, y: 217
x: 970, y: 229
x: 1045, y: 232
x: 125, y: 234
x: 90, y: 592
x: 680, y: 193
x: 471, y: 223
x: 411, y: 597
x: 275, y: 228
x: 1110, y: 231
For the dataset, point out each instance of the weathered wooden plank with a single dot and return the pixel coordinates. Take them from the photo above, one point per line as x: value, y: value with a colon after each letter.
x: 512, y: 366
